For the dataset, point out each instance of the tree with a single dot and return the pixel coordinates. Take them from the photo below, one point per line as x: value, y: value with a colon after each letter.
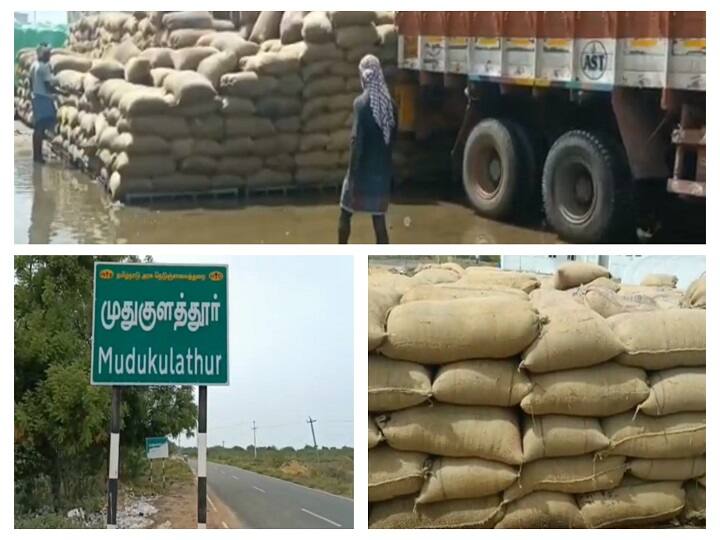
x: 61, y: 421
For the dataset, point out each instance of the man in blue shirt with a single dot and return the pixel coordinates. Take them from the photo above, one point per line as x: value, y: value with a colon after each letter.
x: 42, y: 83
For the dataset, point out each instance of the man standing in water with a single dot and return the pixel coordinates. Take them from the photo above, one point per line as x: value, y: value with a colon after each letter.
x: 44, y: 114
x: 368, y: 181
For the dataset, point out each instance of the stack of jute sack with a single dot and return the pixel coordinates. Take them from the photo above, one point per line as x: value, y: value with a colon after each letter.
x: 492, y: 407
x: 75, y: 114
x: 82, y: 36
x: 23, y: 101
x: 327, y: 101
x: 273, y: 108
x: 180, y: 29
x: 443, y: 393
x: 262, y: 111
x: 657, y: 291
x: 95, y: 35
x: 60, y: 60
x: 76, y: 131
x: 161, y: 139
x: 335, y: 42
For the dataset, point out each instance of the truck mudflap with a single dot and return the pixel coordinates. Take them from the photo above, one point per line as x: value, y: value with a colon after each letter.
x: 689, y: 140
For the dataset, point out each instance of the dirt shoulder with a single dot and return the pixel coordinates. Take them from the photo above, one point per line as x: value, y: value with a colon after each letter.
x: 176, y: 501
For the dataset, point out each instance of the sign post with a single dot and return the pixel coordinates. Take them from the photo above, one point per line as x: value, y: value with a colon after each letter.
x: 157, y: 447
x: 156, y: 324
x: 114, y: 458
x: 202, y: 459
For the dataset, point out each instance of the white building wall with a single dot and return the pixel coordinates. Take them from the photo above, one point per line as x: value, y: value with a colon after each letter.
x: 687, y: 268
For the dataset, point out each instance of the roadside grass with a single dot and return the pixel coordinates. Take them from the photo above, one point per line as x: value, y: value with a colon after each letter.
x: 48, y: 521
x: 177, y: 474
x: 42, y: 515
x: 330, y: 469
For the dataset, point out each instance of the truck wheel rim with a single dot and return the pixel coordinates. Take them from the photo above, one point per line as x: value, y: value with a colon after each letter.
x: 575, y: 192
x: 488, y: 172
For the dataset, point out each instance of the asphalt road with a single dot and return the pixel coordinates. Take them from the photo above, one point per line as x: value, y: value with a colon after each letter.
x: 263, y: 502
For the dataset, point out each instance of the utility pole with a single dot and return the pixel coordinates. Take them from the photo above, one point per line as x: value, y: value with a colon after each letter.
x: 254, y: 440
x: 311, y: 421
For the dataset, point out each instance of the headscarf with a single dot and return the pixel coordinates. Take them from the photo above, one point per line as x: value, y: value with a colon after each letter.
x: 373, y: 81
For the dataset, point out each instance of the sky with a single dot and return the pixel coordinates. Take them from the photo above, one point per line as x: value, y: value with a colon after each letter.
x: 290, y: 352
x: 52, y: 17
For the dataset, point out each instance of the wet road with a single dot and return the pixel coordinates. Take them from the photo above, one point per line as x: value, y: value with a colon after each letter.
x: 58, y: 205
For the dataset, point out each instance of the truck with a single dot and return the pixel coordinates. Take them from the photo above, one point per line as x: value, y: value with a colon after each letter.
x: 590, y: 118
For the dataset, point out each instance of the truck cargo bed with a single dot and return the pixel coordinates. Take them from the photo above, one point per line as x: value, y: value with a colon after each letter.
x: 595, y: 50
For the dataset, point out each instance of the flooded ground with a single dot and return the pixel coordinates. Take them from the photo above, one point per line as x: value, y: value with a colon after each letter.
x: 54, y: 204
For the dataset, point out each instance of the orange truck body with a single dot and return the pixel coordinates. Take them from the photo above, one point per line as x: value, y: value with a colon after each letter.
x: 596, y: 50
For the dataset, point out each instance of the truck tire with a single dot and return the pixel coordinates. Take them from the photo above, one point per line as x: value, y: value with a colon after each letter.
x: 492, y: 169
x: 531, y: 161
x: 586, y: 188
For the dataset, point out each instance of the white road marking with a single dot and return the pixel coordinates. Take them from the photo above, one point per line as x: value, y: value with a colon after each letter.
x: 235, y: 477
x: 313, y: 514
x: 225, y: 525
x: 260, y: 490
x: 211, y: 503
x: 316, y: 490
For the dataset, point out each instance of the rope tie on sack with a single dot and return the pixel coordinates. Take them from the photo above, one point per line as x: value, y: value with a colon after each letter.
x: 427, y: 467
x: 377, y: 426
x: 380, y: 421
x: 426, y: 474
x: 532, y: 414
x: 519, y: 474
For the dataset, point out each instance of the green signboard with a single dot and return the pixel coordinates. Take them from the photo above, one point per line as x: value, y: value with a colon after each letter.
x: 157, y: 447
x: 157, y: 324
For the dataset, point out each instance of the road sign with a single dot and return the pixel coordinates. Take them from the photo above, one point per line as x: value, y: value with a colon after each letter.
x: 157, y: 447
x: 157, y: 324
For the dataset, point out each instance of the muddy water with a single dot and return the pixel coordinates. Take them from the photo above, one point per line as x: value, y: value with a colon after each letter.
x: 57, y: 205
